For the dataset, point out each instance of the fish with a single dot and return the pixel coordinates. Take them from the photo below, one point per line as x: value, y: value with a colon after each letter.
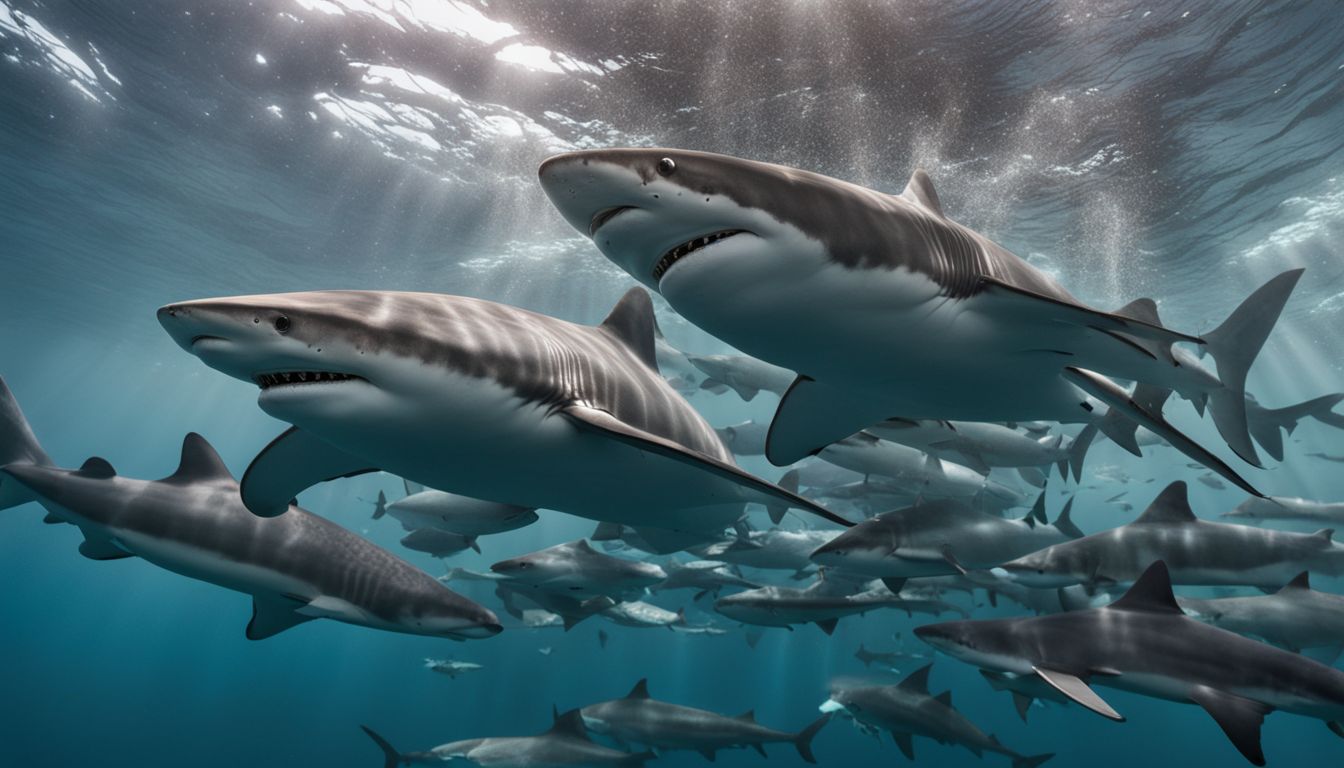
x: 1197, y: 552
x: 451, y: 667
x: 1144, y: 643
x: 565, y: 744
x: 296, y: 567
x: 745, y: 438
x: 638, y: 718
x: 638, y: 614
x: 744, y: 375
x: 822, y: 603
x: 477, y: 398
x: 1288, y: 508
x: 908, y: 709
x: 438, y: 543
x: 886, y: 658
x: 1268, y: 425
x: 885, y: 306
x: 563, y: 610
x: 774, y: 549
x: 1295, y: 617
x: 575, y: 568
x: 1026, y: 689
x: 706, y: 577
x: 452, y: 513
x: 983, y: 446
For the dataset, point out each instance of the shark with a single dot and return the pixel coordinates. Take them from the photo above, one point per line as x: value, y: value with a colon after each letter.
x: 439, y: 543
x: 1268, y: 425
x: 576, y: 569
x: 985, y: 446
x: 1296, y: 617
x: 1288, y: 508
x: 638, y: 614
x: 746, y: 376
x: 565, y: 611
x: 891, y: 659
x: 451, y: 667
x: 823, y: 603
x: 1144, y: 643
x: 296, y: 567
x: 452, y: 513
x: 704, y: 576
x: 941, y: 538
x: 908, y: 709
x: 745, y: 438
x: 478, y: 398
x: 1026, y: 689
x: 1197, y: 552
x: 566, y: 744
x: 886, y: 307
x: 638, y: 718
x: 773, y: 549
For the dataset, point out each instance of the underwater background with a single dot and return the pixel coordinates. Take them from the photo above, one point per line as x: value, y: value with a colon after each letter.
x: 153, y: 152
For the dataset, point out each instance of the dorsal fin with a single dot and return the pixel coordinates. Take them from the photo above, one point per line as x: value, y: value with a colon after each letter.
x: 582, y: 545
x: 944, y: 698
x: 96, y: 467
x: 640, y: 691
x: 747, y: 717
x: 920, y: 189
x: 569, y: 724
x: 1141, y: 309
x: 1300, y: 581
x: 1172, y: 505
x: 918, y: 681
x: 632, y: 321
x: 1151, y: 593
x: 199, y: 462
x: 1328, y: 534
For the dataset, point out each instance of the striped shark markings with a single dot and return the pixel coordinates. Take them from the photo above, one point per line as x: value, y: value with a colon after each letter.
x: 477, y: 398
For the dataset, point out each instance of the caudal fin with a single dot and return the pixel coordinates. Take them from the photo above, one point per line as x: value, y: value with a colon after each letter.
x: 803, y: 741
x: 18, y: 445
x: 788, y: 482
x: 1266, y: 423
x: 1078, y: 450
x: 380, y: 506
x: 1064, y: 523
x: 391, y: 757
x: 1032, y: 761
x: 1234, y: 346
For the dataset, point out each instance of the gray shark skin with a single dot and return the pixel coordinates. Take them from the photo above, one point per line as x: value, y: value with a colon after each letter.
x: 562, y: 610
x: 746, y: 376
x: 1296, y: 617
x: 774, y: 549
x: 639, y: 719
x: 977, y: 445
x: 940, y: 538
x: 576, y: 569
x: 437, y: 543
x: 1286, y: 508
x: 706, y: 577
x: 848, y: 286
x: 744, y: 439
x: 565, y: 745
x: 452, y: 513
x: 297, y: 567
x: 1268, y: 425
x: 638, y: 614
x: 1198, y: 553
x: 473, y: 397
x: 908, y: 709
x: 1144, y: 643
x: 450, y: 667
x: 919, y: 473
x: 892, y: 659
x: 824, y: 603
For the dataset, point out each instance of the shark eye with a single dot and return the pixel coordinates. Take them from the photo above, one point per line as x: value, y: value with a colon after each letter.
x: 666, y: 166
x: 281, y: 324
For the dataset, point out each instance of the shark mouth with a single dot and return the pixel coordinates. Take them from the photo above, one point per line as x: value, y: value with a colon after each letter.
x: 290, y: 378
x: 605, y: 215
x: 689, y: 247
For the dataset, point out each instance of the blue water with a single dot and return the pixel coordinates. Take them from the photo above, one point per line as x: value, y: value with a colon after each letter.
x: 158, y: 151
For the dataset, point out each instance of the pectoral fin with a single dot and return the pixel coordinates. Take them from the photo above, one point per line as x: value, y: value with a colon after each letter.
x: 906, y: 743
x: 1240, y: 718
x: 811, y: 416
x: 294, y: 462
x: 96, y: 547
x: 1078, y: 691
x: 599, y: 421
x: 271, y: 616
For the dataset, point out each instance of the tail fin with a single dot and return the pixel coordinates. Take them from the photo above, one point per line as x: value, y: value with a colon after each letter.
x: 390, y: 755
x: 1234, y: 346
x: 803, y: 741
x: 1064, y: 523
x: 607, y: 532
x: 380, y: 507
x: 1078, y: 450
x: 1265, y: 423
x: 412, y: 487
x: 1032, y: 761
x: 637, y: 760
x: 788, y: 482
x: 18, y: 445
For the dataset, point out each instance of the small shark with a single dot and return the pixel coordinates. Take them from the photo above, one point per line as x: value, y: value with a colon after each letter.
x: 640, y: 719
x: 1295, y: 617
x: 941, y: 538
x: 744, y: 439
x: 565, y: 744
x: 908, y: 710
x: 560, y: 609
x: 1026, y: 689
x: 1267, y: 425
x: 451, y: 513
x: 885, y: 306
x: 437, y: 543
x: 451, y: 667
x: 1197, y: 552
x: 576, y: 569
x: 297, y: 567
x: 774, y: 549
x: 982, y: 446
x: 1285, y: 508
x: 746, y: 376
x: 890, y: 659
x: 706, y: 577
x: 478, y: 398
x: 1144, y: 643
x: 823, y: 603
x: 641, y: 615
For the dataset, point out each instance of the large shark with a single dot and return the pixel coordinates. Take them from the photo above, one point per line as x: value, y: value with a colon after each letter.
x: 908, y: 709
x: 1296, y: 617
x: 640, y: 719
x: 941, y: 538
x: 565, y: 744
x: 1198, y: 552
x: 1144, y: 643
x: 885, y: 306
x: 478, y: 398
x: 297, y: 567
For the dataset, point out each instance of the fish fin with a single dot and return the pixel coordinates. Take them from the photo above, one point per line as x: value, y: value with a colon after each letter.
x: 96, y: 467
x: 708, y: 754
x: 569, y: 724
x: 920, y: 190
x: 828, y: 625
x: 1326, y: 535
x: 1151, y: 593
x: 640, y: 691
x: 789, y: 482
x: 99, y: 547
x: 594, y: 419
x: 391, y: 757
x: 803, y: 740
x: 200, y: 462
x: 906, y: 743
x: 759, y: 747
x: 1031, y: 761
x: 952, y: 559
x: 747, y: 717
x: 1239, y: 717
x: 1077, y: 690
x: 894, y: 585
x: 1300, y: 581
x: 380, y: 506
x: 294, y: 461
x: 632, y: 321
x: 51, y: 518
x: 1336, y: 728
x: 1172, y: 505
x: 1037, y: 511
x: 917, y: 681
x: 1022, y: 703
x: 810, y: 417
x: 1064, y: 523
x: 1078, y: 450
x: 411, y: 487
x: 638, y: 759
x: 1110, y: 393
x: 1052, y: 309
x: 745, y: 392
x: 271, y: 616
x: 475, y: 546
x: 944, y: 698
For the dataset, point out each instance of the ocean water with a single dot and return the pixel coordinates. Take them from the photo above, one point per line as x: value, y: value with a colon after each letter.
x: 153, y: 152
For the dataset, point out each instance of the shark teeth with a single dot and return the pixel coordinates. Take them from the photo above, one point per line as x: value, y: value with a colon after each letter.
x: 268, y: 380
x: 688, y: 247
